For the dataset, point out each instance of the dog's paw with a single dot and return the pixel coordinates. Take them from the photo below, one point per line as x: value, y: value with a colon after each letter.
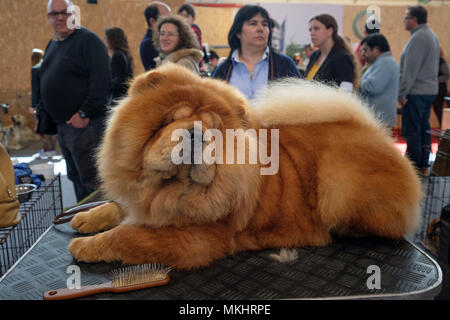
x: 83, y: 223
x: 100, y: 218
x: 83, y: 249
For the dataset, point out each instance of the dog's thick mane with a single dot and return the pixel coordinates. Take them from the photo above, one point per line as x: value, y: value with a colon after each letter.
x: 291, y: 102
x: 142, y: 120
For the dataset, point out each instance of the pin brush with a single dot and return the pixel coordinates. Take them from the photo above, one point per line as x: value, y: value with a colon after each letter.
x: 123, y: 280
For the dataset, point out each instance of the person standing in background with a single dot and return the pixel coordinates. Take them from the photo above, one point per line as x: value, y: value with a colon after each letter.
x: 309, y: 49
x: 252, y: 64
x: 48, y: 141
x: 177, y: 43
x: 334, y: 62
x: 372, y: 26
x: 418, y: 86
x: 187, y: 11
x: 121, y: 62
x: 75, y: 91
x: 379, y: 84
x: 147, y: 51
x: 213, y: 61
x: 443, y: 77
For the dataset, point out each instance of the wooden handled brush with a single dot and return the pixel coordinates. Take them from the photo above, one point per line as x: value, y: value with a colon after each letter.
x: 123, y: 280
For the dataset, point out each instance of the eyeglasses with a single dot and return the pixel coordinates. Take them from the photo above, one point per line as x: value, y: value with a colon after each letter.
x: 54, y: 14
x: 168, y: 34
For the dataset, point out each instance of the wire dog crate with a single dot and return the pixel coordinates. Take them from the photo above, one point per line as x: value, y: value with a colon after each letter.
x: 37, y: 216
x: 437, y: 184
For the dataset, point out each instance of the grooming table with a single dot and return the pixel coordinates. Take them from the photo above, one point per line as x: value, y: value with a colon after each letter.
x: 339, y: 271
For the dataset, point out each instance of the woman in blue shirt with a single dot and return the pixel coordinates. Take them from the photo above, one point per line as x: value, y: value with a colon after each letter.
x: 252, y: 63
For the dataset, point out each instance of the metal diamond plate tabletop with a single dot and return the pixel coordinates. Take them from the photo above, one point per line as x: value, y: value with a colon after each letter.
x: 339, y: 271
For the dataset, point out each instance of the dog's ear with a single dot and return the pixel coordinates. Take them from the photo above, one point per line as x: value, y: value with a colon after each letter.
x: 145, y: 82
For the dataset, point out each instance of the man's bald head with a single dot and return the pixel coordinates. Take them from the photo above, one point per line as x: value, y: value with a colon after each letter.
x: 154, y: 10
x: 58, y: 14
x: 163, y: 8
x: 49, y: 4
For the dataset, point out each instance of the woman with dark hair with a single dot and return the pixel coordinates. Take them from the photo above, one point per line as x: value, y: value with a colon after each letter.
x: 334, y: 62
x: 252, y: 63
x: 121, y: 61
x: 177, y: 43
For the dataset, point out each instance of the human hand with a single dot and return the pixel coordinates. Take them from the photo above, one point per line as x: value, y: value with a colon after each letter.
x: 77, y: 122
x: 402, y: 101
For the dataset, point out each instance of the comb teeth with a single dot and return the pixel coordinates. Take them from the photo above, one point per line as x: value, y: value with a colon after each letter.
x: 139, y: 274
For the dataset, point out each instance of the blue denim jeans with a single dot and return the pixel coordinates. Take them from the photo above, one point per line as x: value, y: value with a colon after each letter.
x: 78, y: 147
x: 415, y: 128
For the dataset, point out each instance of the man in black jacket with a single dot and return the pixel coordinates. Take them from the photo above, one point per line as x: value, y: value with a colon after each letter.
x: 75, y: 91
x: 147, y: 51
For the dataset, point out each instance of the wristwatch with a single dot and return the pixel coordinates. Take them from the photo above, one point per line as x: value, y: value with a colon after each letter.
x: 82, y: 114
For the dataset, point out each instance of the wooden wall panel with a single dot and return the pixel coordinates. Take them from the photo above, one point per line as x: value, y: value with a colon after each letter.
x: 25, y: 26
x: 392, y: 26
x: 215, y: 23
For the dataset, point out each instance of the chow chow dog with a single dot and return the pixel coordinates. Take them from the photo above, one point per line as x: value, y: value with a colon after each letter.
x: 337, y: 172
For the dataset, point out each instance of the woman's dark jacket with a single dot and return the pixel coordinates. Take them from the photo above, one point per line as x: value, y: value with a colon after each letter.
x: 121, y: 73
x: 336, y: 68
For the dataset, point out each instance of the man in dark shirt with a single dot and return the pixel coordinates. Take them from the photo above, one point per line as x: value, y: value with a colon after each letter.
x: 146, y: 49
x: 75, y: 91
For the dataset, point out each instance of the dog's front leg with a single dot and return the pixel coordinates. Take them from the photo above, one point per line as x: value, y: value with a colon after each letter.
x: 103, y: 217
x: 183, y: 248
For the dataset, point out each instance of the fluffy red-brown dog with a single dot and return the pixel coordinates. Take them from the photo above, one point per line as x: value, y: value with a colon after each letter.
x: 337, y: 171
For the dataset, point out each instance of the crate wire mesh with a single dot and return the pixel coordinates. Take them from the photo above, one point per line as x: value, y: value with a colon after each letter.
x: 37, y: 216
x: 437, y: 185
